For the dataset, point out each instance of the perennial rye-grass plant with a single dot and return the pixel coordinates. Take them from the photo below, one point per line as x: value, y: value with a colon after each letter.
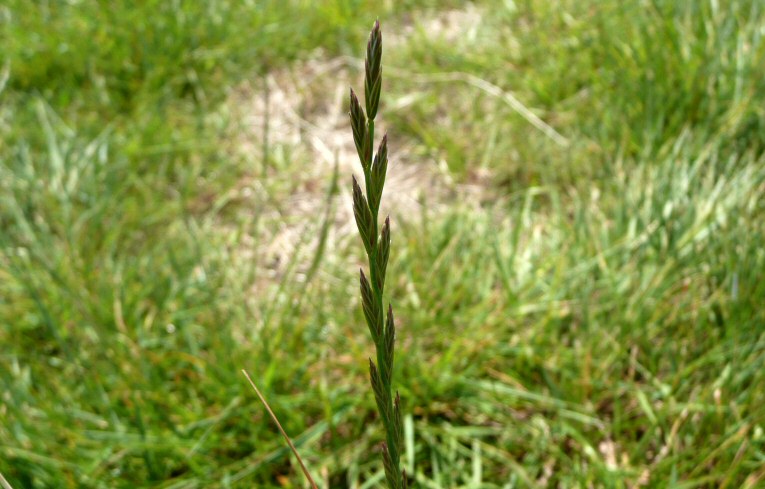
x: 376, y: 241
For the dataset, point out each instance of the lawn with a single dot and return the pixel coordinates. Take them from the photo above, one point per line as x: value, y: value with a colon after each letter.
x: 577, y: 197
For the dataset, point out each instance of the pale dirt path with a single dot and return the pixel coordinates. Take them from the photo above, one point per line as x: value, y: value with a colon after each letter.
x: 304, y: 116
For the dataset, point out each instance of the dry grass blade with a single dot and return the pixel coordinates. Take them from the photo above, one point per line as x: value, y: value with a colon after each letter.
x: 4, y: 483
x: 284, y: 434
x: 492, y: 90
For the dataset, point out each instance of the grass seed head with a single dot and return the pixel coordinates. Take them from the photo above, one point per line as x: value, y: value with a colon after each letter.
x: 378, y: 251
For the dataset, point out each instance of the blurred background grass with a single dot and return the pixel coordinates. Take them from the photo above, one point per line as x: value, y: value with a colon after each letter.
x: 581, y: 302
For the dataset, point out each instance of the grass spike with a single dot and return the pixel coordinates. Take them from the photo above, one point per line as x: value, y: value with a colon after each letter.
x: 377, y: 248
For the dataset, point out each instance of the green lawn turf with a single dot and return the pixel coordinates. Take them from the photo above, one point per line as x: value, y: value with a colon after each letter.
x: 595, y: 319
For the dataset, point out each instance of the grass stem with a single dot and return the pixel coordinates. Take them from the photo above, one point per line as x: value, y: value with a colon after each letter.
x: 284, y: 433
